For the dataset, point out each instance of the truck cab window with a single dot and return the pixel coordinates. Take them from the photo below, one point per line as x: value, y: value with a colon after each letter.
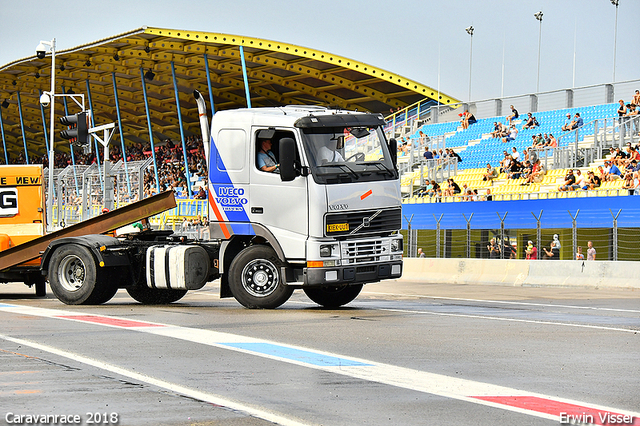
x: 267, y: 149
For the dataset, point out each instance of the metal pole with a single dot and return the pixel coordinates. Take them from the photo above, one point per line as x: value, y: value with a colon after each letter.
x: 124, y: 154
x: 24, y: 138
x: 502, y: 233
x: 468, y: 233
x: 153, y: 149
x: 538, y: 231
x: 538, y: 16
x: 574, y: 230
x: 244, y: 77
x: 615, y: 234
x: 184, y: 146
x: 73, y: 158
x: 615, y: 39
x: 95, y: 141
x: 469, y: 31
x: 206, y: 68
x: 44, y: 129
x: 4, y: 143
x: 438, y: 234
x: 410, y: 242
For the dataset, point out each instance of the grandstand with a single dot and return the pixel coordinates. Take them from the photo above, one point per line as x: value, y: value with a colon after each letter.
x: 583, y: 148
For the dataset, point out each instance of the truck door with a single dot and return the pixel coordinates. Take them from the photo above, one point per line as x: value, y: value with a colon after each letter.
x: 282, y: 207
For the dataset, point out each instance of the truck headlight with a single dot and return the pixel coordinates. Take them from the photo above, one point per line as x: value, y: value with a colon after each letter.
x: 325, y: 250
x: 396, y: 245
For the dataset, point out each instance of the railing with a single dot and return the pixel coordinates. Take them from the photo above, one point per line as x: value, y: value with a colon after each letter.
x: 408, y: 120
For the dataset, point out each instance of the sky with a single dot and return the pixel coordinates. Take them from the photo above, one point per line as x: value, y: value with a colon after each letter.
x: 424, y: 40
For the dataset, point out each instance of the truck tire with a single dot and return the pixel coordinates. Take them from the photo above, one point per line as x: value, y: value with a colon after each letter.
x: 74, y: 277
x: 333, y: 296
x: 153, y: 296
x: 255, y: 279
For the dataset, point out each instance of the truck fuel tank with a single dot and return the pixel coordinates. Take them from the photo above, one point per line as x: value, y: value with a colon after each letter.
x: 183, y: 267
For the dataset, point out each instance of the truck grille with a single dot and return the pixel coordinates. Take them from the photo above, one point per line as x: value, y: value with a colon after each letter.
x: 363, y: 222
x: 364, y: 251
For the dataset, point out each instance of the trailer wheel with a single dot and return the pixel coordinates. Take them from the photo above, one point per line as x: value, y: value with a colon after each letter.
x: 255, y: 279
x: 153, y: 296
x: 74, y: 279
x: 333, y: 296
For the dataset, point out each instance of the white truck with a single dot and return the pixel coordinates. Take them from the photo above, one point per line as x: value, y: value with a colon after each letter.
x: 323, y: 217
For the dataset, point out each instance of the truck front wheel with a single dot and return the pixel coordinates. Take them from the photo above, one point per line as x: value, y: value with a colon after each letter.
x: 333, y: 296
x: 255, y: 279
x: 152, y: 296
x: 74, y: 277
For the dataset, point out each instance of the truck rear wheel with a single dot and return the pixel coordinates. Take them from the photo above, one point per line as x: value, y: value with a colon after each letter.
x: 333, y: 296
x: 74, y: 278
x: 255, y: 279
x: 153, y: 296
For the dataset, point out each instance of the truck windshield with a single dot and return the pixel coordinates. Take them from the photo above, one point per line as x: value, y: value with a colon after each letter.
x: 348, y: 154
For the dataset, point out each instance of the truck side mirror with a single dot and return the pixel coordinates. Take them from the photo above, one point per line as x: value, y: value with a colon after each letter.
x: 287, y: 152
x: 393, y: 150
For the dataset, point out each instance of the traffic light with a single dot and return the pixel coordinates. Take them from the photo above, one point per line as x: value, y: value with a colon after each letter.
x: 78, y: 132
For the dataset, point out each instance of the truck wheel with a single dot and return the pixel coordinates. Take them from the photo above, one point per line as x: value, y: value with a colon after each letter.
x: 73, y: 276
x: 255, y: 279
x: 153, y: 296
x: 333, y: 296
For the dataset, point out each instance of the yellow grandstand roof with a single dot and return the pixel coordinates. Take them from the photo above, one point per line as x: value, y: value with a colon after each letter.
x: 278, y: 74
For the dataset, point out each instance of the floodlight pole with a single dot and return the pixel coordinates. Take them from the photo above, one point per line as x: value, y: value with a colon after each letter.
x: 615, y: 38
x: 469, y: 31
x: 538, y: 16
x: 52, y: 46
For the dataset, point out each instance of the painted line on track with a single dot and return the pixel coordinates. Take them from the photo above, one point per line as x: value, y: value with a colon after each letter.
x: 496, y: 396
x: 506, y: 302
x: 173, y: 387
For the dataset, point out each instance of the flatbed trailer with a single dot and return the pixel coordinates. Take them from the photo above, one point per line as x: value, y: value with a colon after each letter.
x: 21, y: 263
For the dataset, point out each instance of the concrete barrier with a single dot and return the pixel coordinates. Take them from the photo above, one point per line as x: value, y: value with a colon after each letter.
x: 561, y: 273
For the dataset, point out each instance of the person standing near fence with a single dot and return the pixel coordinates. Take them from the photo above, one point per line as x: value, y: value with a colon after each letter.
x: 591, y: 251
x: 494, y: 250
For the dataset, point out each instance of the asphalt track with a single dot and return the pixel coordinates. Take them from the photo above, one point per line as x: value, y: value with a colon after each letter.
x: 402, y: 353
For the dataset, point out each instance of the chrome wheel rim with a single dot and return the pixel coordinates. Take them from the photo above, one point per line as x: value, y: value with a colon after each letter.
x: 72, y: 273
x: 260, y: 278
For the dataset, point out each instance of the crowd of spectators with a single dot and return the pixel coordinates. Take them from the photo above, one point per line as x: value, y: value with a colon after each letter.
x: 169, y: 157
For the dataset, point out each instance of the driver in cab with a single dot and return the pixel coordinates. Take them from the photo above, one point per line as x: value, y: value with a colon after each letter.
x: 329, y: 152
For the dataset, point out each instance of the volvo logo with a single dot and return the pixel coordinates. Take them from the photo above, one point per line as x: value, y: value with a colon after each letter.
x: 366, y: 222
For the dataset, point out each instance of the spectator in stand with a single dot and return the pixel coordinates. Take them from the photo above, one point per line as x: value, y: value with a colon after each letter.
x: 636, y: 98
x: 515, y: 154
x: 628, y: 183
x: 505, y: 163
x: 632, y: 123
x: 553, y: 142
x: 569, y: 181
x: 592, y: 182
x: 580, y: 182
x: 432, y: 192
x: 490, y: 174
x: 515, y: 169
x: 488, y: 196
x: 424, y: 139
x: 513, y: 132
x: 468, y: 119
x: 622, y: 111
x: 453, y: 154
x: 577, y: 121
x: 537, y: 173
x: 614, y: 172
x: 526, y: 171
x: 531, y: 122
x: 428, y: 155
x: 567, y: 123
x: 453, y: 188
x: 514, y: 114
x: 497, y: 130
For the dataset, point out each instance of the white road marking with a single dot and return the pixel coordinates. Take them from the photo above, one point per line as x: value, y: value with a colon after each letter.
x: 506, y: 302
x: 421, y: 381
x: 173, y: 387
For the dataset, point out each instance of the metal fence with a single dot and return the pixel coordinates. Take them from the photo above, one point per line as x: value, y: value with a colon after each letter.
x: 620, y: 241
